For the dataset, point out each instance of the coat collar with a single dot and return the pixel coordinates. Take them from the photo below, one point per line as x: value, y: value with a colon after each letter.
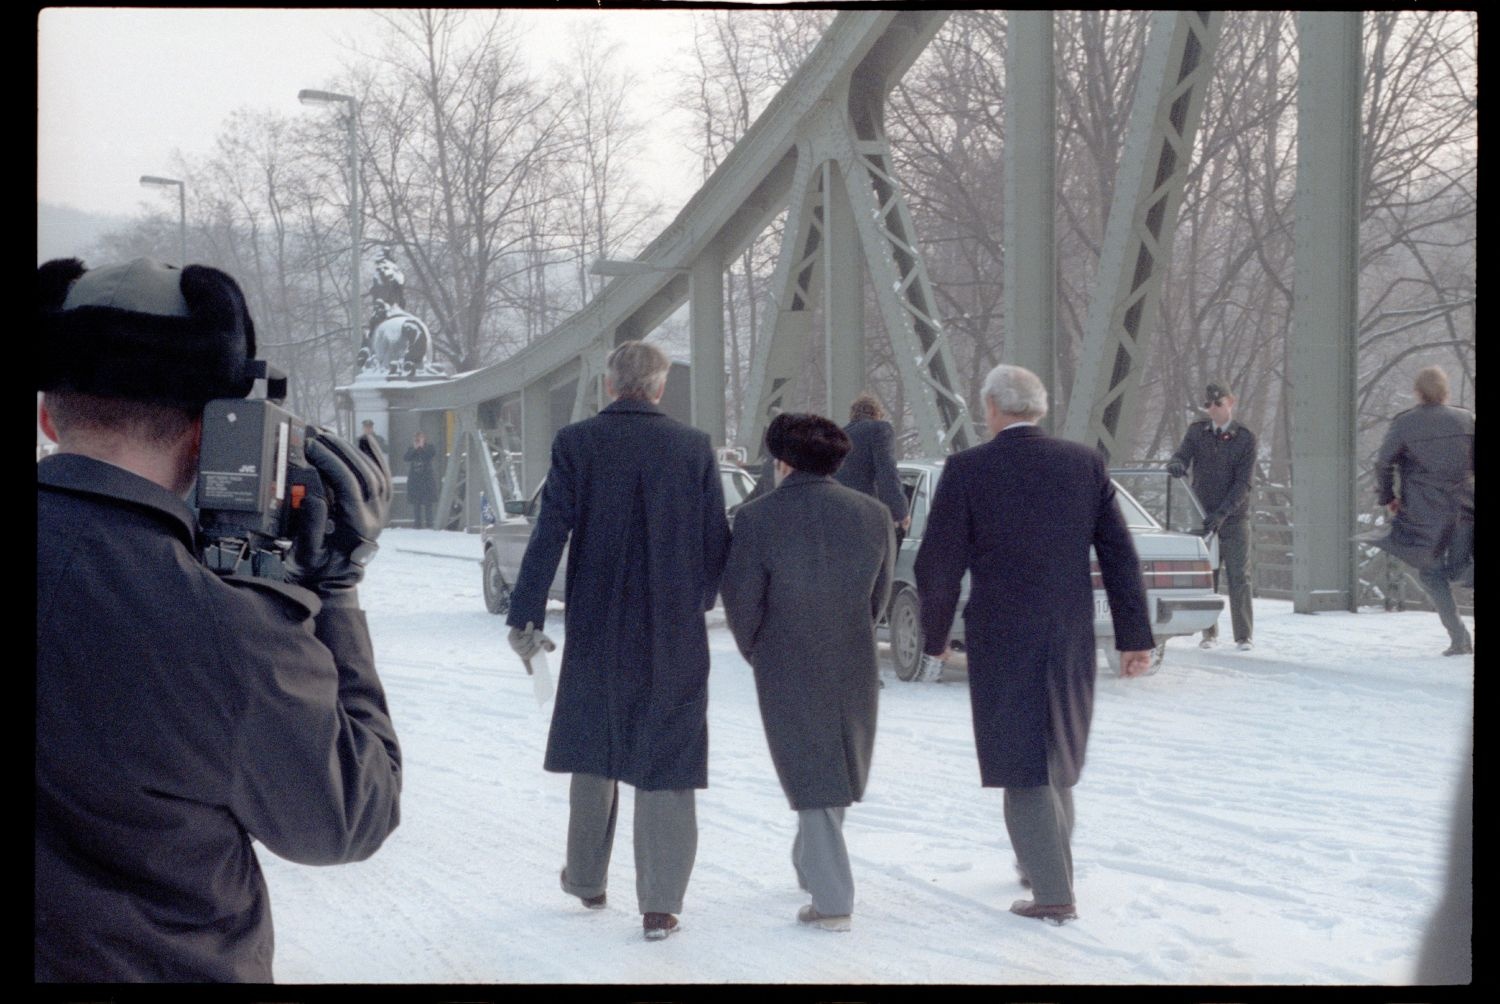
x: 1020, y: 432
x: 80, y: 475
x: 630, y: 405
x: 796, y: 478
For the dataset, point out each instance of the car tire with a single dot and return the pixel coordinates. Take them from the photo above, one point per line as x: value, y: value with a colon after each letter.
x: 1112, y: 657
x: 906, y: 634
x: 496, y: 591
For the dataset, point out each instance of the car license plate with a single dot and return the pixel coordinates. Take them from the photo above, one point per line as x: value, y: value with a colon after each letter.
x: 1101, y: 607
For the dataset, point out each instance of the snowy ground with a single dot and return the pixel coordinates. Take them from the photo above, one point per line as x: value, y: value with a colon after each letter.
x: 1271, y: 817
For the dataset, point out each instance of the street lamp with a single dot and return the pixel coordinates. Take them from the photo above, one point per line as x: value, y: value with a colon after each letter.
x: 312, y: 97
x: 151, y: 179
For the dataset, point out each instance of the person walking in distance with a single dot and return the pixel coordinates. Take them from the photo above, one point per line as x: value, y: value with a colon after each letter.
x: 870, y: 466
x: 1424, y: 476
x: 1220, y: 453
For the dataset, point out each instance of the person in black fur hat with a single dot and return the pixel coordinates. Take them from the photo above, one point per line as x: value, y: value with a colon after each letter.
x: 181, y: 714
x: 808, y: 577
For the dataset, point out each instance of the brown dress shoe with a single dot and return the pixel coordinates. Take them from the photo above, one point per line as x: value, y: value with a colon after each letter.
x: 1053, y: 913
x: 658, y: 925
x: 809, y: 915
x: 598, y: 902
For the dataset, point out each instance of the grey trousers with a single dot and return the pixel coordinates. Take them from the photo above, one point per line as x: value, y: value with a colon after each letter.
x: 822, y: 861
x: 1436, y: 582
x: 1040, y: 823
x: 666, y: 841
x: 1234, y: 562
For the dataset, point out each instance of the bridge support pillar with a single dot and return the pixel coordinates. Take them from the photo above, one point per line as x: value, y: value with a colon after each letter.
x: 706, y: 310
x: 1321, y: 348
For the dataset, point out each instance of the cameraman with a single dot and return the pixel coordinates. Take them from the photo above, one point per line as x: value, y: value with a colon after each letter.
x: 180, y: 714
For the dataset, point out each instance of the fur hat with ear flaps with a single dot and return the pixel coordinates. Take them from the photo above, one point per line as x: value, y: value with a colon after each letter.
x: 144, y: 331
x: 808, y: 443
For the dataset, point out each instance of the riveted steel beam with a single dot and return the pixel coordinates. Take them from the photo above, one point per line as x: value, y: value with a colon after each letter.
x: 1142, y: 222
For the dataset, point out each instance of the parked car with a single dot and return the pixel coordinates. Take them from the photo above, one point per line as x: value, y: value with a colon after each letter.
x: 1176, y: 562
x: 504, y: 542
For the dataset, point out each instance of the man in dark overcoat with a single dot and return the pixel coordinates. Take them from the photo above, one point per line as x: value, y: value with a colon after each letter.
x: 808, y: 576
x: 640, y: 497
x: 1220, y: 453
x: 1019, y: 513
x: 870, y: 466
x: 1432, y: 446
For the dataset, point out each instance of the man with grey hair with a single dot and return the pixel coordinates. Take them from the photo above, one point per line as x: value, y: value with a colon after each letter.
x: 637, y: 497
x: 1432, y: 504
x: 1019, y: 514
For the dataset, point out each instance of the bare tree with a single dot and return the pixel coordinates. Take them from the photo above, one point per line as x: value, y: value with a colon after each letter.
x: 455, y: 131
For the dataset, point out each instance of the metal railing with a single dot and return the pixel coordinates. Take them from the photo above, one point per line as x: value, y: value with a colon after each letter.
x: 1383, y: 580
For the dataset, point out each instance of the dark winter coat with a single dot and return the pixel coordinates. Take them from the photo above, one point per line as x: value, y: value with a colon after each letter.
x: 640, y: 496
x: 809, y: 574
x: 178, y: 716
x: 1020, y: 513
x: 870, y: 466
x: 421, y: 473
x: 1433, y: 448
x: 1222, y: 465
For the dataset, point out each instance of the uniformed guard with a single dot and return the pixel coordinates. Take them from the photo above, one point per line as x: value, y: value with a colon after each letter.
x: 1220, y: 452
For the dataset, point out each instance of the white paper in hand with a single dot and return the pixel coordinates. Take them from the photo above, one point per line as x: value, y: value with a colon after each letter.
x: 541, y: 678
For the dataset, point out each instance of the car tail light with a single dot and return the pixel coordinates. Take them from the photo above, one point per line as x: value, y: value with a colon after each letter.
x: 1194, y: 574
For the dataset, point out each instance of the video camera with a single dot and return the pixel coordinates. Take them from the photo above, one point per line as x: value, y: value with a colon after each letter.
x: 252, y: 479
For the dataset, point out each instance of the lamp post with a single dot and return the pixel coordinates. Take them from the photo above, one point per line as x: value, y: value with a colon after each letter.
x: 313, y: 97
x: 152, y: 179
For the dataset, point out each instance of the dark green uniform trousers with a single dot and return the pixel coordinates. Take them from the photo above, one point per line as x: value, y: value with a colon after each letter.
x: 1234, y: 562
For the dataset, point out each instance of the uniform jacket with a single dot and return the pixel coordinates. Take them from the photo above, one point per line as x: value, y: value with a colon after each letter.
x: 809, y: 574
x: 870, y: 466
x: 421, y: 473
x: 639, y: 495
x: 1432, y: 446
x: 179, y: 715
x: 1222, y: 467
x: 1020, y: 513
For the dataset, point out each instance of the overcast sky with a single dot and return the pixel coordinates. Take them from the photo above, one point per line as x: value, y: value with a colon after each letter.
x: 119, y: 89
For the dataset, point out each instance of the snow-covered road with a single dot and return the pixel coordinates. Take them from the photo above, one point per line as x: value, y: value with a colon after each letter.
x: 1278, y: 816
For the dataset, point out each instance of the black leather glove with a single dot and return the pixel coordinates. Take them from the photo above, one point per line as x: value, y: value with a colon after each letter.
x: 1211, y: 525
x: 1177, y: 468
x: 335, y: 539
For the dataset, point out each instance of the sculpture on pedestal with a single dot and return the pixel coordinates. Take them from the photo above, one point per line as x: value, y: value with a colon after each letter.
x: 396, y: 342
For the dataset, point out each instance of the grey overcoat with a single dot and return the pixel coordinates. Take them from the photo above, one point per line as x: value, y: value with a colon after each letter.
x: 808, y: 575
x: 1433, y: 447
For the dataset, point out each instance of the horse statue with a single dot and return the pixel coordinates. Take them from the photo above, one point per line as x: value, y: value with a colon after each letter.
x: 398, y: 344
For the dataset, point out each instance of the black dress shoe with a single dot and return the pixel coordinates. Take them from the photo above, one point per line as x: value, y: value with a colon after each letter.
x: 1460, y: 648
